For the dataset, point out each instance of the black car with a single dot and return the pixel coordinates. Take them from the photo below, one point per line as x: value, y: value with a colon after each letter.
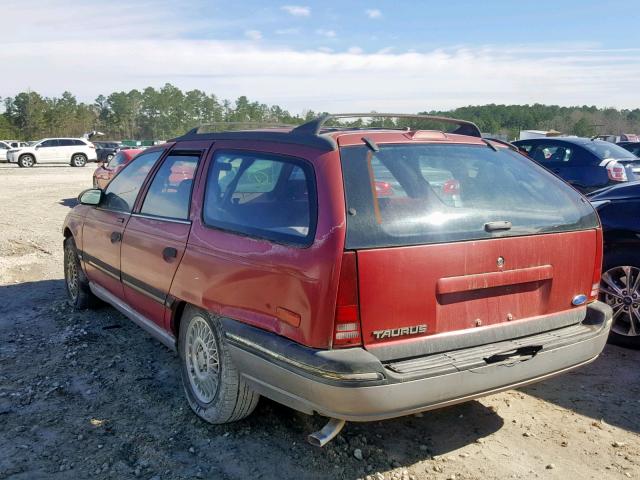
x: 633, y: 147
x: 586, y: 164
x: 106, y: 150
x: 619, y: 209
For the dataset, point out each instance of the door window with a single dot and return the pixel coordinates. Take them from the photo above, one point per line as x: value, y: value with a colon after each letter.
x: 122, y: 191
x: 49, y: 143
x: 170, y: 192
x: 65, y: 142
x: 550, y: 153
x: 262, y: 195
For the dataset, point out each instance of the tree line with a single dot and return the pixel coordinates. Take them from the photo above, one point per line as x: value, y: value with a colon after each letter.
x: 157, y: 114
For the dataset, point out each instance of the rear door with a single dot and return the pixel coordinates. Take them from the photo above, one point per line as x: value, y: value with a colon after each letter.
x: 155, y: 238
x: 510, y: 243
x: 47, y: 151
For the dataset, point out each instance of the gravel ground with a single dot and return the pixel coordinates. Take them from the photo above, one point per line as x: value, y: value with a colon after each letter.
x: 90, y: 395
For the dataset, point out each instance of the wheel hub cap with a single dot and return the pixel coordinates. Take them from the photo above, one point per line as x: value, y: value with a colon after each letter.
x: 202, y: 360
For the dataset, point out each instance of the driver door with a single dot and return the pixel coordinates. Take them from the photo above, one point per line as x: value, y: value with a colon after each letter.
x: 104, y: 225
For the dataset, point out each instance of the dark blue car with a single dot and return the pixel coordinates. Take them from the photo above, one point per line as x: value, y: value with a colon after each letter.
x: 586, y: 164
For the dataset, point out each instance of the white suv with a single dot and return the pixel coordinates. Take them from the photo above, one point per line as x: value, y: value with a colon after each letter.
x: 4, y: 148
x: 74, y: 151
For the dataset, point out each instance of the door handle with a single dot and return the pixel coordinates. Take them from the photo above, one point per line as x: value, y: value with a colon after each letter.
x: 120, y: 220
x: 169, y: 253
x: 116, y: 237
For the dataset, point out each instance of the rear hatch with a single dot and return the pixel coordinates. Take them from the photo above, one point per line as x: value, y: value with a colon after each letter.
x: 461, y: 238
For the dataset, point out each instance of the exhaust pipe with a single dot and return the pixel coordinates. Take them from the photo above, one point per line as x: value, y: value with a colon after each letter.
x: 327, y: 433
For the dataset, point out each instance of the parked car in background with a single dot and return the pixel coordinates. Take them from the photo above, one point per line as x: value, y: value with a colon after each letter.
x: 15, y: 143
x: 73, y: 151
x: 105, y: 172
x: 105, y: 151
x: 633, y: 147
x: 4, y: 148
x: 269, y: 261
x: 586, y: 164
x: 619, y: 209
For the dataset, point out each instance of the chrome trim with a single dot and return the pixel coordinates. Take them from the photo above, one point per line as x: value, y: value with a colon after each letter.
x: 362, y: 377
x: 149, y: 326
x: 103, y: 270
x: 143, y: 291
x: 162, y: 219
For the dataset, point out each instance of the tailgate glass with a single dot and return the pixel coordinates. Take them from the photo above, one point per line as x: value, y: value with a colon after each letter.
x: 410, y: 194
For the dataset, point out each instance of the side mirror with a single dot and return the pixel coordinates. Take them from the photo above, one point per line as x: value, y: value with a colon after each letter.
x: 92, y: 196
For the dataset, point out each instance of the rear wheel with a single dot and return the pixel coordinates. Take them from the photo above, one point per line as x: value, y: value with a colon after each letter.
x: 78, y: 160
x: 26, y: 161
x: 109, y: 157
x: 78, y: 291
x: 620, y: 289
x: 214, y: 388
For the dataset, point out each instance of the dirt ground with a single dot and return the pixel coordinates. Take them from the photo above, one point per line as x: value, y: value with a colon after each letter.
x: 90, y: 395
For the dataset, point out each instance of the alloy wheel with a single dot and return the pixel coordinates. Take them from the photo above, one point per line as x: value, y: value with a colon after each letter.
x: 203, y: 363
x: 71, y: 274
x: 620, y: 289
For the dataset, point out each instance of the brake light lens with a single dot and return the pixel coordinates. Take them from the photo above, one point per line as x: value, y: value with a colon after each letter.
x: 347, y: 330
x: 616, y: 172
x: 597, y: 268
x: 451, y: 187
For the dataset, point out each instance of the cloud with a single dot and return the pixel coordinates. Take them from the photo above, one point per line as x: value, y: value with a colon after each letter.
x: 355, y: 50
x: 253, y: 35
x: 324, y: 80
x: 296, y: 10
x: 326, y: 33
x: 373, y: 13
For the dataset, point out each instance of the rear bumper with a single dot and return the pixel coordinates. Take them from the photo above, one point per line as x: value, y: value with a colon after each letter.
x: 354, y: 385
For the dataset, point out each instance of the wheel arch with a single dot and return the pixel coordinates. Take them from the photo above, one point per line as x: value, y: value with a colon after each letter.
x: 31, y: 154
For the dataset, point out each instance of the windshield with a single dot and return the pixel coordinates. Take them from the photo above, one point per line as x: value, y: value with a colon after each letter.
x: 416, y: 194
x: 605, y: 150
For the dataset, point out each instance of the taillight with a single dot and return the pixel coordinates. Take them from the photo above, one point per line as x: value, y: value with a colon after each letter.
x: 346, y: 331
x: 597, y: 268
x: 616, y: 172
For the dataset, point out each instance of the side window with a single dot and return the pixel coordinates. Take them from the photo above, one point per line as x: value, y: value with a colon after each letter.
x: 170, y: 192
x: 122, y: 191
x: 49, y: 143
x: 261, y: 195
x: 551, y: 153
x: 65, y: 142
x: 78, y: 143
x: 526, y: 147
x: 3, y: 146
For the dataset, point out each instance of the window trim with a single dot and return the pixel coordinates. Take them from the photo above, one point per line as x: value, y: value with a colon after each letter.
x: 312, y: 189
x: 142, y: 196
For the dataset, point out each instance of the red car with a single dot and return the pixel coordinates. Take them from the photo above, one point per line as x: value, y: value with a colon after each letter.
x: 105, y: 172
x: 360, y: 274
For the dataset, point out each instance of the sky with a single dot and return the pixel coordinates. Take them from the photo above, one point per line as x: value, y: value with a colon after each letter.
x: 387, y: 55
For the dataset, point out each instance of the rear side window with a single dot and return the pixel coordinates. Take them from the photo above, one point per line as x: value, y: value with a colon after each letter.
x: 262, y: 195
x: 416, y: 194
x: 170, y: 192
x: 122, y: 191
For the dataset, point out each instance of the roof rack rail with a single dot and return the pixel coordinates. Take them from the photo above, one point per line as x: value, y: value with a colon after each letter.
x: 314, y: 127
x: 218, y: 127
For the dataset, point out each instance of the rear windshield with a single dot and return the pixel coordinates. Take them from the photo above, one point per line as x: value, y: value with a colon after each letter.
x: 417, y: 194
x: 605, y: 150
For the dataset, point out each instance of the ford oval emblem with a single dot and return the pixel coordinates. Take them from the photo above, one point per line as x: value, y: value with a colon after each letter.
x: 579, y: 300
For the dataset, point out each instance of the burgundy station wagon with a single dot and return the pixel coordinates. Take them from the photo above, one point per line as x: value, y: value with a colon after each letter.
x: 357, y: 273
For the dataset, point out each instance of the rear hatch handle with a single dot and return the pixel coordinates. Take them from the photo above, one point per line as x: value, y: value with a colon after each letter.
x: 521, y: 354
x: 499, y: 225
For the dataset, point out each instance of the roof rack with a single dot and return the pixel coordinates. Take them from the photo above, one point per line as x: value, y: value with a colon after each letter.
x: 219, y: 127
x: 315, y: 126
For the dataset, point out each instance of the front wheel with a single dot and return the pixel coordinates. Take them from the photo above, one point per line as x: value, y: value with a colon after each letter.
x: 78, y: 291
x: 213, y: 386
x: 26, y: 161
x: 620, y: 289
x: 78, y: 160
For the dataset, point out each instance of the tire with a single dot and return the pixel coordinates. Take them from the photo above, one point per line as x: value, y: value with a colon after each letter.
x: 619, y: 267
x: 76, y: 282
x: 216, y: 393
x: 27, y: 161
x: 109, y: 157
x: 78, y: 160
